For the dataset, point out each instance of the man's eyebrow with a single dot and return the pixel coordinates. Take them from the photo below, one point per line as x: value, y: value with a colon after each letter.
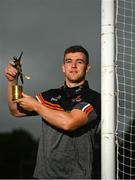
x: 68, y: 59
x: 80, y: 60
x: 76, y: 59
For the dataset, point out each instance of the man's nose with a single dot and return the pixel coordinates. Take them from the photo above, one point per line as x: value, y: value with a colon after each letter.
x: 74, y: 64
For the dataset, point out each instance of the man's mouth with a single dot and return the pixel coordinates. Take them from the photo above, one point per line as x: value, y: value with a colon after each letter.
x: 73, y: 71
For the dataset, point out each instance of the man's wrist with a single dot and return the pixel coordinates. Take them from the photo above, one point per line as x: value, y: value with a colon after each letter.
x: 37, y: 106
x: 13, y: 82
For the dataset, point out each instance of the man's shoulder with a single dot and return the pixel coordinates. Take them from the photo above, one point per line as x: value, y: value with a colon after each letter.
x: 93, y: 93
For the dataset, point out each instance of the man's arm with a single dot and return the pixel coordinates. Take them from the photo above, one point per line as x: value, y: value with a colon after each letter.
x: 68, y: 121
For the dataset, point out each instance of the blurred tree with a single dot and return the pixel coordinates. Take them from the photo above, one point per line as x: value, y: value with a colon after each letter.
x: 17, y: 154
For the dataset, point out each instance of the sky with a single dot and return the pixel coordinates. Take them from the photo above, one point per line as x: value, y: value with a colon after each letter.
x: 43, y: 29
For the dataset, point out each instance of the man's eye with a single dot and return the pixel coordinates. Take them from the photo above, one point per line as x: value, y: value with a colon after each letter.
x: 80, y: 62
x: 68, y: 61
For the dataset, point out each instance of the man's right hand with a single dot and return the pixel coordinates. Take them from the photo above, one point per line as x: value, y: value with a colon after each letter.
x: 10, y: 71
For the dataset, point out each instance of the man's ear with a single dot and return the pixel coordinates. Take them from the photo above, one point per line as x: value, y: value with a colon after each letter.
x: 88, y: 68
x: 63, y: 68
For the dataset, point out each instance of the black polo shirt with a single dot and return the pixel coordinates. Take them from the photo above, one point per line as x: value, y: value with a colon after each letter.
x: 68, y: 154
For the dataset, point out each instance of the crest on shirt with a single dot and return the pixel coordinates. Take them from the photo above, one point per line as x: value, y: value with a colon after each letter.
x: 55, y: 99
x: 77, y: 99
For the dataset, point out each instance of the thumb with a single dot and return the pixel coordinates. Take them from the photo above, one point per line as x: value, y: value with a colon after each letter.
x: 24, y: 95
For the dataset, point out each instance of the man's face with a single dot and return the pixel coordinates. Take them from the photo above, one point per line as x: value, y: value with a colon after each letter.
x: 75, y: 67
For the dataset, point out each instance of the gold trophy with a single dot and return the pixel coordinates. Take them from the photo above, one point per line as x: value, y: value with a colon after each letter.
x: 17, y: 89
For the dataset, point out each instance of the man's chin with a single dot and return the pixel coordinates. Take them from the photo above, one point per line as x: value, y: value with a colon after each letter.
x: 76, y: 81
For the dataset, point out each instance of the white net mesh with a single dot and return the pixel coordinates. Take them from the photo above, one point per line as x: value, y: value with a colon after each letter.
x: 125, y: 80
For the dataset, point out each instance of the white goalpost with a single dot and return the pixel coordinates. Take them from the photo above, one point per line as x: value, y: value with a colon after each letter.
x: 118, y: 75
x: 107, y: 90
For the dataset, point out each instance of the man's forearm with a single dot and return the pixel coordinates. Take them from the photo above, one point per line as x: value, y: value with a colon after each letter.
x: 65, y: 120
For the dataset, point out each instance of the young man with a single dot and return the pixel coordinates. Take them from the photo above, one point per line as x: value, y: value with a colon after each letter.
x: 70, y: 116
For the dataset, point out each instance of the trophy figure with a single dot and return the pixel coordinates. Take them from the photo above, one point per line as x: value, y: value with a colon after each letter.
x: 17, y: 89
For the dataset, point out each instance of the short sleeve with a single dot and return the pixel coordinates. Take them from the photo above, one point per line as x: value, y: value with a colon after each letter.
x: 88, y: 109
x: 44, y: 99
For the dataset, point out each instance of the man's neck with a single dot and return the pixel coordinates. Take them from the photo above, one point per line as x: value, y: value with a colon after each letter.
x: 74, y: 84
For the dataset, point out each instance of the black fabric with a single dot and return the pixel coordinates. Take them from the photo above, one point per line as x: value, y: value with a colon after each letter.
x: 64, y: 154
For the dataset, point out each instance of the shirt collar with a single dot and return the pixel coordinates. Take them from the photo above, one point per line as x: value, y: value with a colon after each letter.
x: 75, y: 91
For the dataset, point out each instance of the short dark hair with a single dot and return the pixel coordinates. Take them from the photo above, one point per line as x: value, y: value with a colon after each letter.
x: 77, y: 48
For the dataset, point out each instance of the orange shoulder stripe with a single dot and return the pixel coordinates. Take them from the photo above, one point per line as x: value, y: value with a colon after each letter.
x: 89, y: 110
x: 49, y: 104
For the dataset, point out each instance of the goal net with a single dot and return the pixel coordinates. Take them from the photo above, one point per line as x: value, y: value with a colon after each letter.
x: 125, y: 82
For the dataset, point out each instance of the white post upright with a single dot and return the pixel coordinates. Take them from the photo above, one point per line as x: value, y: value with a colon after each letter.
x: 107, y: 90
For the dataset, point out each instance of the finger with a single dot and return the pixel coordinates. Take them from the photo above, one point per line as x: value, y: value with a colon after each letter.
x: 17, y: 100
x: 10, y: 67
x: 10, y: 71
